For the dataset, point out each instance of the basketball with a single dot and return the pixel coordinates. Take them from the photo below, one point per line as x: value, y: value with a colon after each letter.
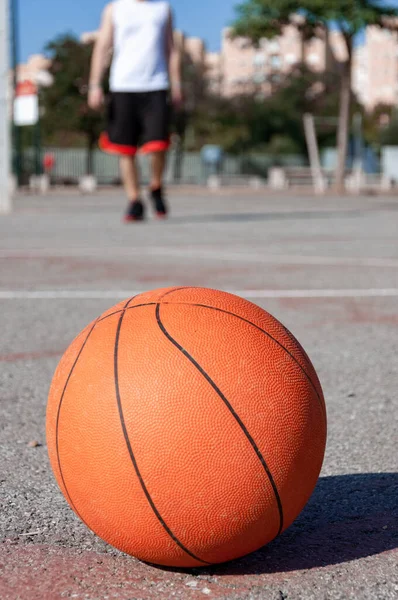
x: 186, y: 427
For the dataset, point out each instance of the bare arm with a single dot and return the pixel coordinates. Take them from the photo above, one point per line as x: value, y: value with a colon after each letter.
x: 99, y: 61
x: 174, y: 60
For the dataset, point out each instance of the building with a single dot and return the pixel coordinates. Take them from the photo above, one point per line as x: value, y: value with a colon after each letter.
x: 214, y: 72
x: 246, y: 69
x: 249, y: 69
x: 241, y: 68
x: 195, y: 49
x: 89, y: 37
x: 375, y: 69
x: 33, y: 68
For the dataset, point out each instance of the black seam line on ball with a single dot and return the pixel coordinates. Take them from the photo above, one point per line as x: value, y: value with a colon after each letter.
x: 234, y: 414
x: 131, y: 453
x: 117, y: 312
x: 227, y: 312
x: 177, y: 289
x: 58, y: 419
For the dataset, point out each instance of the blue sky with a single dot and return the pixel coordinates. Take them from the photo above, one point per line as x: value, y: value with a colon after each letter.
x: 42, y: 20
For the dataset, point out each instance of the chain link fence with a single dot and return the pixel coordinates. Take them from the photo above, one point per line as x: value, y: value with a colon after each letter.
x: 185, y: 168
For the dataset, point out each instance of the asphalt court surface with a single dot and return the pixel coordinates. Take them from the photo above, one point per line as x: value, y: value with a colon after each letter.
x: 326, y: 267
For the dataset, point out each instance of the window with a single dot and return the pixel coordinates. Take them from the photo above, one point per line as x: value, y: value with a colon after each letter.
x: 260, y: 97
x: 274, y: 46
x: 291, y: 59
x: 243, y: 43
x: 275, y: 79
x: 313, y: 59
x: 276, y: 62
x: 259, y: 59
x: 258, y: 78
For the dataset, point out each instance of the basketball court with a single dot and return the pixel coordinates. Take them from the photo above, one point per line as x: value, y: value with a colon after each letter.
x: 327, y: 268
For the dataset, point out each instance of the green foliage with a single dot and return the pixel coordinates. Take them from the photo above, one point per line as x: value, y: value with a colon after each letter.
x: 67, y: 118
x: 376, y: 124
x: 219, y: 121
x: 273, y: 124
x: 194, y: 82
x: 265, y: 18
x: 282, y: 144
x: 389, y: 134
x: 257, y: 19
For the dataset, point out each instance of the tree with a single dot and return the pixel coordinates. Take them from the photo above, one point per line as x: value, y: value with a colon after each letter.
x: 389, y: 134
x: 259, y: 19
x: 66, y: 112
x: 224, y: 122
x: 194, y: 90
x: 272, y: 124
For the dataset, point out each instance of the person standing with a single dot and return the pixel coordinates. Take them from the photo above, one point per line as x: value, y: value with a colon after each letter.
x: 145, y: 73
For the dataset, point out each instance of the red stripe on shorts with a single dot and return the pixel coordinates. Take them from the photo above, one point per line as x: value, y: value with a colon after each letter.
x: 107, y: 146
x: 159, y: 146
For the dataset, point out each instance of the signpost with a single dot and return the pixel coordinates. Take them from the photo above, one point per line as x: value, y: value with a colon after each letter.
x: 5, y: 199
x: 16, y: 132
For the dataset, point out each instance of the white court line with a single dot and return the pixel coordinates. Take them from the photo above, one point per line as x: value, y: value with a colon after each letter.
x: 110, y: 252
x: 250, y: 294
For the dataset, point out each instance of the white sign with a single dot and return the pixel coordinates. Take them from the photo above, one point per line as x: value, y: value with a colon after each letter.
x: 26, y: 104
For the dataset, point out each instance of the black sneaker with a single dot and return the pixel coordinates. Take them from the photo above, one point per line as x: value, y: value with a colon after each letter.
x: 135, y: 212
x: 159, y: 203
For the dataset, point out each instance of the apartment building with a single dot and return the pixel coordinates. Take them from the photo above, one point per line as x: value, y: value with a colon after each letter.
x: 214, y: 72
x: 241, y: 68
x: 249, y: 69
x: 31, y: 70
x: 246, y: 69
x: 375, y: 68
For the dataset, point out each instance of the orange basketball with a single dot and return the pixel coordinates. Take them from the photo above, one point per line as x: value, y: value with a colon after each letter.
x: 186, y: 426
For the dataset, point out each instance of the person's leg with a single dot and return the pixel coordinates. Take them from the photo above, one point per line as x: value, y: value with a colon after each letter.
x: 156, y: 191
x: 158, y: 168
x: 121, y: 137
x: 130, y: 177
x: 156, y: 141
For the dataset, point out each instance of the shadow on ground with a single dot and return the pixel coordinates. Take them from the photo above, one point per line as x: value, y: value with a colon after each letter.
x: 348, y: 517
x: 263, y: 216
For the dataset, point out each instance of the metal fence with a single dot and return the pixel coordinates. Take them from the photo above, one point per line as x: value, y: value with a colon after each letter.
x: 70, y: 165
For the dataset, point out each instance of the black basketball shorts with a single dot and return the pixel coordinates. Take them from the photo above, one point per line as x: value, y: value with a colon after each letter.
x: 137, y: 121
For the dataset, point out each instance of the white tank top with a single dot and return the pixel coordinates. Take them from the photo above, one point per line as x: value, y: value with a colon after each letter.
x: 140, y: 38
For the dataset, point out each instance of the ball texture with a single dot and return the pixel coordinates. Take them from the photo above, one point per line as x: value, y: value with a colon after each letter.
x: 186, y: 426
